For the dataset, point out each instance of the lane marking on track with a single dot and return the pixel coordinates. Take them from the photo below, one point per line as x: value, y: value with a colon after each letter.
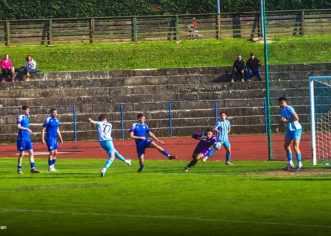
x: 165, y: 217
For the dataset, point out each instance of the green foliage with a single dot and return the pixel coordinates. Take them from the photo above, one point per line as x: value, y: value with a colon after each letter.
x: 28, y: 9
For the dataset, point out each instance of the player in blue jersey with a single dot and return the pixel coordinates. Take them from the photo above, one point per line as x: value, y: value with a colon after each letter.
x: 222, y: 128
x: 104, y: 129
x: 206, y: 141
x: 139, y: 132
x: 290, y: 119
x: 24, y: 142
x: 52, y: 128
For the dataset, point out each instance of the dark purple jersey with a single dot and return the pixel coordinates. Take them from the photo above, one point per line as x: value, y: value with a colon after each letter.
x: 204, y: 144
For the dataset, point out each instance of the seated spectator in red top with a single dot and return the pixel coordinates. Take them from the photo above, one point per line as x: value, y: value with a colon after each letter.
x: 8, y: 70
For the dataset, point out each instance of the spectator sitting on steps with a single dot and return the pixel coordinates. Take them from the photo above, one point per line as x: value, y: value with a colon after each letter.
x: 29, y: 67
x: 253, y: 65
x: 8, y: 70
x: 238, y: 69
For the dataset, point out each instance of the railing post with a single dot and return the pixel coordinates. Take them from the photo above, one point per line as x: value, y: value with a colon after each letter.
x: 170, y: 119
x: 7, y: 34
x: 216, y: 111
x: 302, y: 22
x: 92, y: 30
x: 218, y: 23
x: 50, y: 36
x: 134, y: 29
x: 122, y: 120
x: 177, y: 28
x: 74, y: 111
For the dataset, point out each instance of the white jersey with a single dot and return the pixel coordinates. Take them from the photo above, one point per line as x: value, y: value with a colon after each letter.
x: 104, y: 130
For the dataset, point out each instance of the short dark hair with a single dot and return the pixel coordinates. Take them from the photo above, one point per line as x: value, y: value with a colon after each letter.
x: 140, y: 115
x: 282, y: 98
x: 222, y: 112
x: 252, y: 54
x: 209, y: 130
x: 25, y: 107
x: 102, y: 117
x: 52, y: 109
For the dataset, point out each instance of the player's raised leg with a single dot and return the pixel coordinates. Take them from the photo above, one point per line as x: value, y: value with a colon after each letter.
x: 122, y: 158
x: 163, y: 151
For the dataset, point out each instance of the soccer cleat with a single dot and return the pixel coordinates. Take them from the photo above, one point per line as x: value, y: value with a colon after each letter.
x: 288, y: 167
x: 242, y: 80
x: 298, y: 169
x: 172, y: 157
x: 20, y: 172
x: 102, y: 172
x: 128, y: 162
x: 228, y: 163
x: 186, y: 168
x: 205, y: 159
x: 52, y: 169
x: 34, y: 170
x: 140, y: 169
x: 232, y: 81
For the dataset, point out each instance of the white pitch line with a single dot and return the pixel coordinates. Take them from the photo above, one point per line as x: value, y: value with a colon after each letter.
x: 165, y: 217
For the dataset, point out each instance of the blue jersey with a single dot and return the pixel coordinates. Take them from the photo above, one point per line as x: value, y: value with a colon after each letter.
x: 51, y: 124
x: 104, y: 130
x: 24, y: 121
x: 140, y: 130
x: 288, y: 112
x: 223, y: 128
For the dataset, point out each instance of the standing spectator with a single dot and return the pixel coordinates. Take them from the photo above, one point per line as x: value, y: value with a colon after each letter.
x: 193, y: 29
x: 238, y: 69
x: 29, y: 67
x: 8, y: 70
x: 253, y: 68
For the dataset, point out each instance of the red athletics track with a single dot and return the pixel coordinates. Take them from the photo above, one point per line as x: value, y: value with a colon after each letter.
x: 244, y: 147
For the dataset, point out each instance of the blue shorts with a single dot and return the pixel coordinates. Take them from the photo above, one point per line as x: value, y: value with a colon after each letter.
x: 51, y: 144
x: 293, y: 135
x: 108, y: 146
x: 24, y: 145
x: 142, y: 145
x: 226, y: 143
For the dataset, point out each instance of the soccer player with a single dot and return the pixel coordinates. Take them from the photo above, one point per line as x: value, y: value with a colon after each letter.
x: 207, y: 140
x: 24, y: 142
x: 51, y: 126
x: 139, y: 132
x: 223, y: 129
x: 290, y: 119
x: 104, y: 129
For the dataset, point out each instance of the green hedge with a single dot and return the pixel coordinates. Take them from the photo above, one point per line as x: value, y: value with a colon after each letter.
x: 28, y: 9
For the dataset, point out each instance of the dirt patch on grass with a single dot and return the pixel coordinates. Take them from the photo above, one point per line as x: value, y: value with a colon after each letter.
x: 303, y: 172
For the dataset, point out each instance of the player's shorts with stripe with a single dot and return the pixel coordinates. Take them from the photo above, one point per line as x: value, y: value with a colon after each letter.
x: 142, y: 145
x: 108, y: 146
x: 24, y: 145
x: 51, y: 144
x: 293, y: 135
x: 223, y: 142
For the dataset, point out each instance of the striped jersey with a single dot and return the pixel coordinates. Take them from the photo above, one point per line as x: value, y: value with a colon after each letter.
x: 288, y: 112
x: 223, y: 128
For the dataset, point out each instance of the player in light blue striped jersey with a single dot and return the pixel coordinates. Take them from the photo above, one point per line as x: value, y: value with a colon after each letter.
x: 104, y: 129
x: 222, y: 128
x: 290, y: 119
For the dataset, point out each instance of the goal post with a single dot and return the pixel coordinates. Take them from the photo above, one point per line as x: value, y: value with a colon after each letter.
x: 320, y: 117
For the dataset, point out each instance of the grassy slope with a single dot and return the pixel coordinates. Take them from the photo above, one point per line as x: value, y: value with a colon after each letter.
x: 169, y: 54
x: 212, y: 199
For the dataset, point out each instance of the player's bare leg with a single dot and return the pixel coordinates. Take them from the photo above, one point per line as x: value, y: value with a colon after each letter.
x: 296, y: 147
x: 31, y: 157
x: 19, y: 163
x: 52, y: 160
x: 141, y: 163
x: 164, y: 152
x: 287, y: 147
x: 228, y: 156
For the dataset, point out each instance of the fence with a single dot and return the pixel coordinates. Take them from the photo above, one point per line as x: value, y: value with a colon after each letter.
x: 143, y: 28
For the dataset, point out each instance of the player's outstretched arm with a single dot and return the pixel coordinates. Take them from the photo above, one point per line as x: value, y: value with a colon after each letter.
x: 155, y: 138
x: 60, y: 136
x: 92, y: 121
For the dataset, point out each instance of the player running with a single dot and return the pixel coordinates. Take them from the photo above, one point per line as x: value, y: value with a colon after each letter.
x: 207, y: 140
x: 24, y: 142
x: 104, y: 129
x: 139, y: 132
x: 51, y: 126
x: 223, y: 129
x: 290, y: 119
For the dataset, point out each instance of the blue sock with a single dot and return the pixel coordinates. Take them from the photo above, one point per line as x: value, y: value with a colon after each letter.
x: 164, y: 152
x: 142, y: 166
x: 32, y: 165
x: 299, y: 157
x: 211, y: 152
x: 119, y: 156
x: 227, y: 156
x: 53, y: 161
x: 108, y: 162
x: 289, y: 156
x: 19, y: 167
x: 50, y: 162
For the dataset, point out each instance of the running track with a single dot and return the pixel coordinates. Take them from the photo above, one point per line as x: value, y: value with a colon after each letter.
x: 244, y: 147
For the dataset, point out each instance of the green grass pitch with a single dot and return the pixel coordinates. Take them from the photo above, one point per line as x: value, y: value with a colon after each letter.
x: 249, y: 198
